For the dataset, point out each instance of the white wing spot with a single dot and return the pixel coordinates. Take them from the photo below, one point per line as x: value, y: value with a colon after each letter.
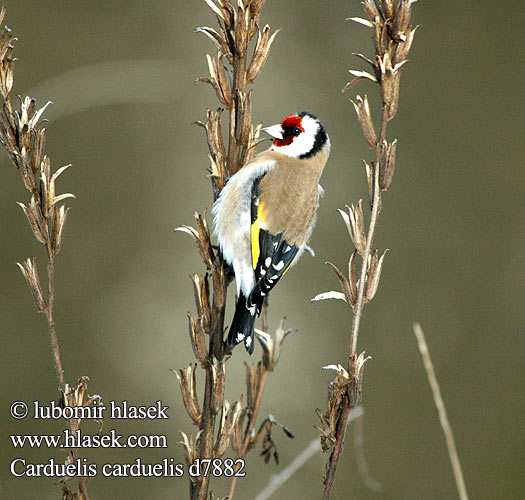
x: 263, y: 272
x: 279, y: 266
x: 240, y: 337
x: 287, y: 249
x: 248, y: 342
x: 268, y: 261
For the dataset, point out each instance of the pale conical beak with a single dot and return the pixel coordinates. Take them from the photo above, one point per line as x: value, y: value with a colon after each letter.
x: 275, y: 131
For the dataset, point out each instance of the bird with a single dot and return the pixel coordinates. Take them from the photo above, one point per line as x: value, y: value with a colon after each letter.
x: 265, y: 214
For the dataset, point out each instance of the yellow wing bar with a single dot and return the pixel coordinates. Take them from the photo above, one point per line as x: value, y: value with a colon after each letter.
x: 255, y: 230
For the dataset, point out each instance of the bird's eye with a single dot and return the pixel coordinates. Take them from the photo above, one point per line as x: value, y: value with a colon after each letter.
x: 296, y: 131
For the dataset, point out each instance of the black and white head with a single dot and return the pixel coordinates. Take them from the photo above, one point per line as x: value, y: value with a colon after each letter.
x: 300, y: 135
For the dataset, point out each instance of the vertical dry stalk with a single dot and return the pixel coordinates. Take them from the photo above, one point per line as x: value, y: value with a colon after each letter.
x: 442, y: 411
x: 24, y: 139
x: 231, y: 71
x: 312, y: 449
x: 393, y: 37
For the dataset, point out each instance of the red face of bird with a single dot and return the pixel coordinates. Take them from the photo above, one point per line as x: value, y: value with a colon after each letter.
x: 299, y: 135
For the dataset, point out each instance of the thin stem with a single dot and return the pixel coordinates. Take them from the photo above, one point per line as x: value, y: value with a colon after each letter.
x: 253, y: 417
x: 209, y: 415
x: 82, y: 481
x: 347, y: 404
x: 376, y: 207
x: 208, y: 428
x: 249, y: 429
x: 82, y: 485
x: 314, y: 447
x: 239, y: 86
x: 359, y: 448
x: 50, y: 318
x: 442, y: 411
x: 336, y: 452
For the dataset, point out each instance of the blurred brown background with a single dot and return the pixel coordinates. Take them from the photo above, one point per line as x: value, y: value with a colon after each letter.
x: 121, y: 75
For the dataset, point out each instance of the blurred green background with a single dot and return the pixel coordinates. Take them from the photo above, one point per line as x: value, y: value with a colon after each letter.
x: 121, y: 75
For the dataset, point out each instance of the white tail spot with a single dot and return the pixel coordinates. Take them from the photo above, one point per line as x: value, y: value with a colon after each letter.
x: 279, y: 266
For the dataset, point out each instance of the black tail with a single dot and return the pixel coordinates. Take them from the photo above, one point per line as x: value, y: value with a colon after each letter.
x: 241, y: 329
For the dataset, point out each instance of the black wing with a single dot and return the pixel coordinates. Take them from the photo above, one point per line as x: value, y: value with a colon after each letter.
x: 275, y: 257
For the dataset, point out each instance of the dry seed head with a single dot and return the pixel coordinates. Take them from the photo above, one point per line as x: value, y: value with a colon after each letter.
x: 58, y: 223
x: 375, y: 266
x: 272, y: 347
x: 201, y: 237
x: 371, y: 9
x: 7, y: 63
x: 260, y: 54
x: 229, y: 416
x: 388, y: 162
x: 8, y: 137
x: 38, y: 150
x: 342, y: 374
x: 352, y: 277
x: 190, y: 449
x: 74, y: 396
x: 400, y: 25
x: 237, y: 438
x: 370, y: 180
x: 359, y: 366
x: 251, y: 149
x: 218, y: 369
x: 218, y: 80
x: 384, y: 64
x: 362, y: 108
x: 355, y: 224
x: 387, y: 7
x: 212, y: 127
x: 198, y: 342
x: 35, y: 220
x: 394, y: 96
x: 48, y: 187
x: 202, y: 301
x: 267, y: 345
x: 250, y: 385
x: 30, y: 272
x: 29, y: 120
x: 343, y: 281
x: 253, y: 382
x: 188, y: 388
x: 217, y: 39
x: 26, y: 170
x: 403, y: 48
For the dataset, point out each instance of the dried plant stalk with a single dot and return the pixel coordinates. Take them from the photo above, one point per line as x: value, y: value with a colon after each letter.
x: 312, y: 449
x: 24, y: 138
x: 393, y: 37
x: 442, y: 411
x: 230, y: 74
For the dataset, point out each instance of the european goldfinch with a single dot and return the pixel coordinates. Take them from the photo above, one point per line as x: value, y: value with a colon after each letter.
x: 266, y: 212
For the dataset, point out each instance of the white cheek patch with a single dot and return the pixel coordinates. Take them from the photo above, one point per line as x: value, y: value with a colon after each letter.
x: 304, y: 142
